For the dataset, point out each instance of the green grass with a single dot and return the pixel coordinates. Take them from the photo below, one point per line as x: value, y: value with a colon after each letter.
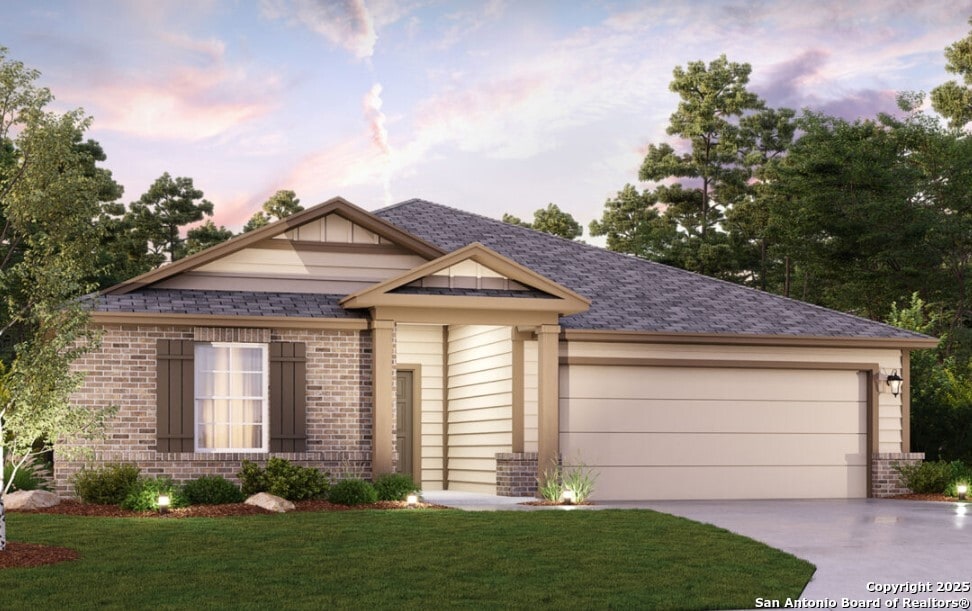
x: 401, y: 559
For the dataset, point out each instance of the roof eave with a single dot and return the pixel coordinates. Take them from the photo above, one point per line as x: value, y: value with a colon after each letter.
x: 740, y: 339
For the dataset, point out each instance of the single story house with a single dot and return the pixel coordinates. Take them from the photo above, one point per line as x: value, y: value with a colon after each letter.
x: 473, y: 354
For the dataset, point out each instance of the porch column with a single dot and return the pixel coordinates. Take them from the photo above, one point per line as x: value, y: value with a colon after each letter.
x: 548, y: 400
x: 382, y: 396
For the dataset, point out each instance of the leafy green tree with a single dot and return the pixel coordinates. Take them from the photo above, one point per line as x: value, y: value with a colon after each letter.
x: 725, y: 136
x: 280, y: 205
x: 550, y: 220
x: 205, y: 235
x: 161, y: 212
x: 843, y: 211
x: 48, y: 199
x: 953, y: 100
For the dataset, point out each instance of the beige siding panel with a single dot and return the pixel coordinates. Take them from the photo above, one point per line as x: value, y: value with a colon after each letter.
x: 422, y: 345
x: 313, y: 264
x: 786, y: 482
x: 612, y: 382
x: 497, y: 388
x: 711, y: 416
x: 487, y: 375
x: 503, y: 412
x: 716, y: 449
x: 475, y: 365
x: 480, y: 427
x: 237, y: 282
x: 666, y: 424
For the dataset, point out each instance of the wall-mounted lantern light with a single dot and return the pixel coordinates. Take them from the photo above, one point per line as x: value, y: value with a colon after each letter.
x: 894, y: 381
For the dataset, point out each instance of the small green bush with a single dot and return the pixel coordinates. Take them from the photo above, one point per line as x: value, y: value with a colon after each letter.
x: 284, y: 479
x: 108, y: 485
x: 144, y: 495
x: 929, y: 477
x: 353, y: 491
x: 34, y: 474
x: 549, y: 485
x: 395, y: 486
x: 212, y: 490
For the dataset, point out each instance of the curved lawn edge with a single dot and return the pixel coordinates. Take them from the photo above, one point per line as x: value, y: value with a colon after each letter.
x: 383, y: 559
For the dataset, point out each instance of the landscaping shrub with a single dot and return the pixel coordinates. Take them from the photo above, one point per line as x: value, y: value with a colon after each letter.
x: 549, y: 485
x: 108, y: 485
x: 395, y: 486
x: 284, y: 479
x: 578, y: 478
x: 32, y: 475
x: 144, y: 494
x: 929, y: 477
x: 353, y: 491
x: 212, y: 490
x: 961, y: 474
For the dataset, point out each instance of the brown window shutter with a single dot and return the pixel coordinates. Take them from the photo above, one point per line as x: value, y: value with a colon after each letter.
x: 288, y: 397
x: 175, y: 395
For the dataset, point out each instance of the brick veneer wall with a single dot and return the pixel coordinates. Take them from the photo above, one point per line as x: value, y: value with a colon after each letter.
x: 885, y: 481
x: 123, y: 373
x: 516, y: 473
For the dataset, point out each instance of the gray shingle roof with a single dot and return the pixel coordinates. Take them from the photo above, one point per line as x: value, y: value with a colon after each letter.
x: 233, y: 303
x: 628, y: 293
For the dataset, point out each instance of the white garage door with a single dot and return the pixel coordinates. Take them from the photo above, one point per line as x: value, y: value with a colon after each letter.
x: 712, y: 433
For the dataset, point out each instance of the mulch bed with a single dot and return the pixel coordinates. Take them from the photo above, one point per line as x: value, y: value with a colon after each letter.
x: 21, y: 555
x: 545, y: 503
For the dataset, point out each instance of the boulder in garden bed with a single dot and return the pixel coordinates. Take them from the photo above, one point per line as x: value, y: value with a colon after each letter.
x: 30, y: 499
x: 270, y: 502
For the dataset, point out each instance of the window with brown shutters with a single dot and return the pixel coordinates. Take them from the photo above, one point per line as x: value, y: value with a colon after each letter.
x: 177, y: 400
x: 288, y: 400
x: 175, y: 395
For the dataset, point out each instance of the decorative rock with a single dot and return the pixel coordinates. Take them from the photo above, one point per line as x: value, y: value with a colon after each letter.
x: 270, y: 502
x: 30, y: 499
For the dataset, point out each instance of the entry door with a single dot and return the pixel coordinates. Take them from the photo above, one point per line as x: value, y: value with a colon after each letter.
x: 403, y: 407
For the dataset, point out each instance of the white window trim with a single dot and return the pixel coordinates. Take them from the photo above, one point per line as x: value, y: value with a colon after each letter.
x: 265, y: 441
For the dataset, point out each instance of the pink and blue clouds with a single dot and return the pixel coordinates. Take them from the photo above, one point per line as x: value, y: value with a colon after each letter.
x: 493, y: 106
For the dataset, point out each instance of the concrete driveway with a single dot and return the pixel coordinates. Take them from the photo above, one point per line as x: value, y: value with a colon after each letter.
x: 854, y: 543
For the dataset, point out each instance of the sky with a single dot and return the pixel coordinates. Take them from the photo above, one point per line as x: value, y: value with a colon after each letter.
x: 491, y: 107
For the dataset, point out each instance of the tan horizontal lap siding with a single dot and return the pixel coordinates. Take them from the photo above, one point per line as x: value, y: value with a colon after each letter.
x: 480, y: 404
x: 250, y: 266
x: 422, y: 344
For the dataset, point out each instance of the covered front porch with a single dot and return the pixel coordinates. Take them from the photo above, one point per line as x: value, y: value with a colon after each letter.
x: 466, y: 372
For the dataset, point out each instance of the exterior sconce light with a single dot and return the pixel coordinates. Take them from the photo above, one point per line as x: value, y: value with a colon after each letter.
x: 568, y: 496
x: 894, y: 381
x: 164, y: 502
x: 962, y: 490
x: 411, y: 500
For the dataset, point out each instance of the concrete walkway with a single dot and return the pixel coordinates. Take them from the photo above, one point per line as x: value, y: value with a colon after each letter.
x: 856, y: 545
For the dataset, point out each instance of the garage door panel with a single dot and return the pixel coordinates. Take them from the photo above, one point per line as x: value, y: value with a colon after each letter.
x: 709, y: 416
x: 693, y: 449
x: 661, y: 483
x: 608, y: 382
x: 704, y: 432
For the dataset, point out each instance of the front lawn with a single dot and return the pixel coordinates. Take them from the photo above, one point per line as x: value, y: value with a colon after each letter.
x: 403, y: 559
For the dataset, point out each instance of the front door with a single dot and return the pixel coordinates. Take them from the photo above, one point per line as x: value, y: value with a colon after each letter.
x: 403, y: 407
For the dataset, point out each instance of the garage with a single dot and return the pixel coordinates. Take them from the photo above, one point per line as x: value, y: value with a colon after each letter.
x: 717, y: 432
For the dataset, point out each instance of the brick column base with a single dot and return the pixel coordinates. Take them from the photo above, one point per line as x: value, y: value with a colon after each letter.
x: 885, y: 481
x: 516, y: 474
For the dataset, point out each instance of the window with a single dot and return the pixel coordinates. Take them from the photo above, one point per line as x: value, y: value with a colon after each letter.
x: 231, y: 397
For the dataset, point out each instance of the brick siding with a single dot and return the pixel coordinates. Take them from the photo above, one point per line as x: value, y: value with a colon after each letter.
x: 123, y: 373
x: 885, y: 481
x: 516, y: 473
